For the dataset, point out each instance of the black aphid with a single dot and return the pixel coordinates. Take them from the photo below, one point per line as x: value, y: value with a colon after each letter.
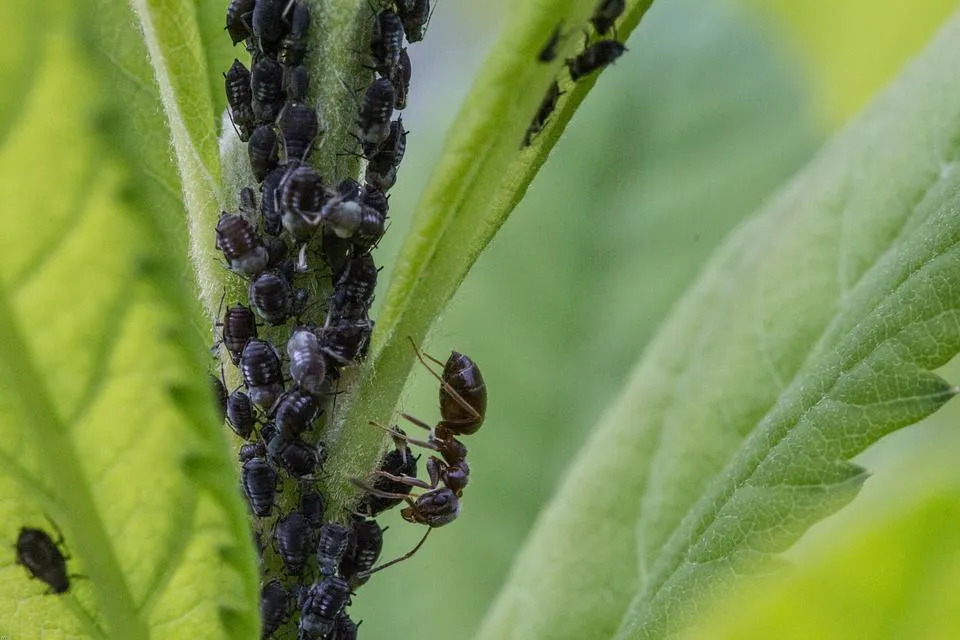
x: 334, y: 250
x: 382, y: 168
x: 350, y: 189
x: 240, y: 414
x: 294, y: 45
x: 237, y: 85
x: 298, y: 84
x: 241, y: 245
x: 239, y: 15
x: 220, y: 393
x: 549, y: 51
x: 415, y: 15
x: 375, y: 113
x: 376, y: 199
x: 547, y: 105
x: 260, y: 366
x: 366, y: 544
x: 332, y: 543
x: 354, y: 288
x: 594, y: 57
x: 296, y: 456
x: 352, y: 219
x: 268, y: 24
x: 386, y: 42
x: 270, y: 297
x: 308, y: 367
x: 606, y: 14
x: 269, y: 201
x: 252, y: 450
x: 266, y: 84
x: 400, y: 77
x: 248, y: 204
x: 275, y: 606
x: 294, y: 537
x: 301, y: 196
x: 397, y: 462
x: 296, y: 413
x: 320, y: 607
x: 239, y: 327
x: 313, y: 506
x: 268, y: 432
x: 259, y: 482
x: 346, y: 629
x: 263, y: 151
x: 42, y: 558
x: 346, y: 340
x: 277, y: 250
x: 298, y: 126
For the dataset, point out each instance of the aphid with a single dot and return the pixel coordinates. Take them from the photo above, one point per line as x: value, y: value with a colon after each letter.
x: 350, y: 189
x: 260, y: 366
x: 345, y: 340
x: 294, y: 537
x: 268, y: 432
x: 396, y: 462
x: 298, y: 84
x: 546, y: 107
x: 549, y: 51
x: 239, y: 326
x: 308, y: 367
x: 220, y: 393
x: 382, y: 168
x: 266, y: 84
x: 277, y: 250
x: 259, y: 482
x: 240, y: 414
x: 270, y: 297
x: 386, y: 42
x: 375, y: 113
x: 274, y: 607
x: 415, y: 15
x: 365, y: 548
x: 334, y: 250
x: 295, y: 413
x: 294, y: 45
x: 400, y: 78
x: 606, y: 14
x: 346, y: 629
x: 298, y: 126
x: 252, y: 450
x: 363, y: 225
x: 354, y: 288
x: 594, y: 57
x: 377, y: 199
x: 269, y: 205
x: 296, y: 456
x: 332, y: 543
x: 248, y: 204
x: 321, y: 605
x: 237, y: 85
x: 262, y: 150
x: 239, y: 13
x: 268, y: 25
x: 240, y: 244
x: 312, y: 506
x: 301, y: 196
x: 42, y: 558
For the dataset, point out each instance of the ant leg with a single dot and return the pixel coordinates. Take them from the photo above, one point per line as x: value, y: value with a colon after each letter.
x: 399, y: 436
x: 360, y: 484
x: 405, y: 556
x: 446, y: 386
x: 407, y: 480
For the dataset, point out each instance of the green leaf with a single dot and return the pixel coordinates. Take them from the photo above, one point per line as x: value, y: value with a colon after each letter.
x: 107, y: 422
x: 809, y: 336
x: 892, y: 573
x: 481, y: 176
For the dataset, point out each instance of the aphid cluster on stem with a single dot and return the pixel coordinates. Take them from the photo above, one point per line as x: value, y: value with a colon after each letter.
x: 292, y: 228
x: 595, y: 56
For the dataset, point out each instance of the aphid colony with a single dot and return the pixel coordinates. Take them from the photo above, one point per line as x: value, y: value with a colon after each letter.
x: 293, y: 222
x: 594, y: 57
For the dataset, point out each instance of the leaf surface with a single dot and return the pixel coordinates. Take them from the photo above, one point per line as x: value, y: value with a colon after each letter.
x: 809, y: 336
x: 108, y: 424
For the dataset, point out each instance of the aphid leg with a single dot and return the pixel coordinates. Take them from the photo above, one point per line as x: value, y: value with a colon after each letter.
x: 405, y: 556
x: 450, y: 390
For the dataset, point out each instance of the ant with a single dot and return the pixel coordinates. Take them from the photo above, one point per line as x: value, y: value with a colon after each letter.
x: 463, y: 403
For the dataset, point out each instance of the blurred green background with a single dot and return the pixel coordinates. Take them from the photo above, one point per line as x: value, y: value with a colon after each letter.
x: 716, y: 104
